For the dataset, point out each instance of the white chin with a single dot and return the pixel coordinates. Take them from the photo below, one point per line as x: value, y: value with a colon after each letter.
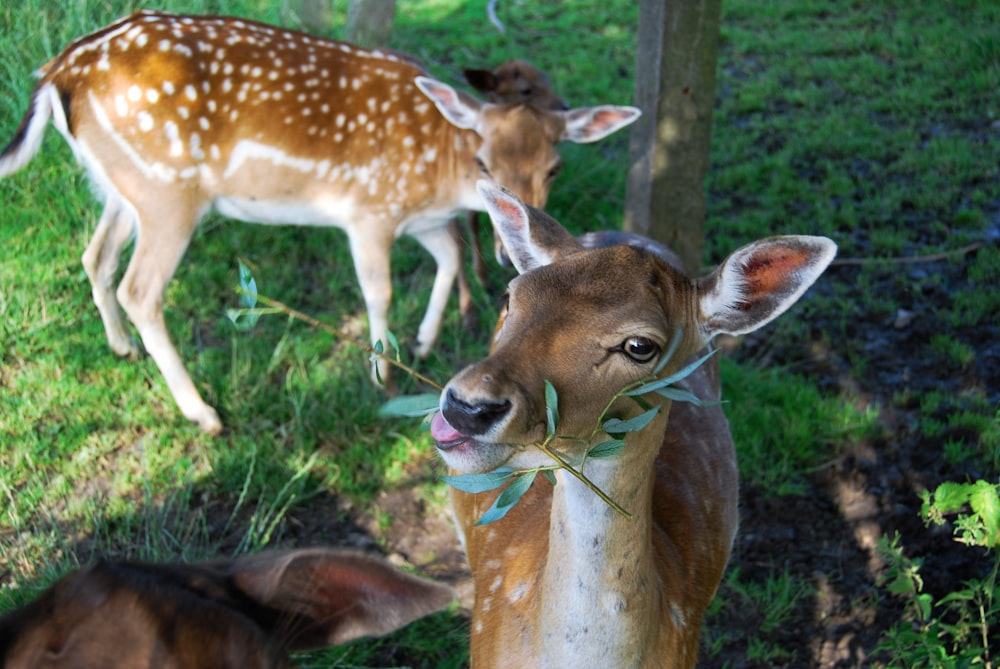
x: 474, y: 457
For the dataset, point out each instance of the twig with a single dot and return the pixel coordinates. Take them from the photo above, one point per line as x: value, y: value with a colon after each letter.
x: 544, y: 448
x: 306, y: 318
x: 934, y: 257
x: 491, y: 11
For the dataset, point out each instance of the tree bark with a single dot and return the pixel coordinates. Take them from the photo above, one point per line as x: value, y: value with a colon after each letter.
x: 317, y: 16
x: 369, y: 22
x: 669, y: 147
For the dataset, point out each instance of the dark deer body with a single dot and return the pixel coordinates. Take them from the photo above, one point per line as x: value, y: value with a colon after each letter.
x: 237, y: 614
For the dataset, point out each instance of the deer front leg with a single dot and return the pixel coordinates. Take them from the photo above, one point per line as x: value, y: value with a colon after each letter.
x: 100, y: 260
x: 440, y: 243
x: 371, y: 263
x: 159, y: 247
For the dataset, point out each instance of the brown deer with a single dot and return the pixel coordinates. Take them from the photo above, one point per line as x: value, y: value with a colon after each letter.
x: 512, y: 82
x: 515, y: 82
x: 175, y: 115
x: 564, y: 580
x: 232, y: 614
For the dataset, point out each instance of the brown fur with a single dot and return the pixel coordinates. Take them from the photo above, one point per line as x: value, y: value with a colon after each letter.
x: 233, y: 614
x: 563, y: 580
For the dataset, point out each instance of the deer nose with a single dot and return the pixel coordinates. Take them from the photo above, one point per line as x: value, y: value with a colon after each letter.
x: 472, y: 418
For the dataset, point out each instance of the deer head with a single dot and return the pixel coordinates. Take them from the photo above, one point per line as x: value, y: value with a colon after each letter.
x: 515, y: 82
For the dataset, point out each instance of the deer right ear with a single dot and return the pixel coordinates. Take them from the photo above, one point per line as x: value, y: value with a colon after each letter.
x: 759, y: 281
x: 531, y: 237
x: 329, y: 597
x: 460, y: 109
x: 482, y: 80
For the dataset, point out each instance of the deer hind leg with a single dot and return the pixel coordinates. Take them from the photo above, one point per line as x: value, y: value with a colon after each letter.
x: 440, y: 243
x: 100, y: 260
x: 476, y: 242
x: 160, y: 243
x: 465, y: 306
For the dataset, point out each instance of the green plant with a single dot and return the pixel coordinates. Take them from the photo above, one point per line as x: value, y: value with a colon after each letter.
x: 955, y: 629
x: 958, y: 353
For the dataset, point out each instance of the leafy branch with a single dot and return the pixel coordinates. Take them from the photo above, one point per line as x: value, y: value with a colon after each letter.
x: 518, y: 482
x: 247, y: 317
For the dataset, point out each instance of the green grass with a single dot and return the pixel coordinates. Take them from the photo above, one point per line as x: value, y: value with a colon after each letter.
x: 850, y: 122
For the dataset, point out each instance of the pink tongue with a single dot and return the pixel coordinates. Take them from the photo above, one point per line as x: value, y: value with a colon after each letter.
x: 442, y: 431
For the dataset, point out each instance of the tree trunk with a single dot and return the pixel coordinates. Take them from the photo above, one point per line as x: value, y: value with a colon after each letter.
x: 675, y: 88
x: 317, y: 16
x: 369, y: 22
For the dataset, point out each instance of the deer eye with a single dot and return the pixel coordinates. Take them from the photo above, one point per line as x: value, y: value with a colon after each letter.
x: 640, y: 349
x: 482, y: 167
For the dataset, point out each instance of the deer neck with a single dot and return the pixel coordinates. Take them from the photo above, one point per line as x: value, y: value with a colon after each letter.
x: 599, y: 587
x: 458, y: 155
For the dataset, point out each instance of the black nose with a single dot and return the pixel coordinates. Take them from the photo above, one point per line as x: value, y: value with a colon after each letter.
x: 472, y: 419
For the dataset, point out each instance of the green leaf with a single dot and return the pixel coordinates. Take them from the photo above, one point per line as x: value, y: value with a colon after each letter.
x: 925, y: 602
x: 901, y: 585
x: 373, y: 359
x: 506, y: 500
x: 985, y: 502
x: 411, y: 406
x: 248, y: 287
x: 393, y: 342
x: 950, y: 497
x: 550, y: 475
x: 606, y: 449
x: 616, y: 426
x: 671, y: 350
x: 673, y: 378
x: 681, y: 395
x: 551, y: 408
x: 476, y: 483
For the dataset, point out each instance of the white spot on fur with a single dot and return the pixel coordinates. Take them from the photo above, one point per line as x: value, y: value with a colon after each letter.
x: 518, y: 592
x: 680, y: 620
x: 173, y: 134
x: 196, y: 151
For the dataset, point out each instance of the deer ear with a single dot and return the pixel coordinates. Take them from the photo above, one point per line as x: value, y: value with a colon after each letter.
x: 327, y: 597
x: 460, y: 109
x: 589, y: 124
x: 759, y: 281
x: 531, y: 237
x: 482, y: 80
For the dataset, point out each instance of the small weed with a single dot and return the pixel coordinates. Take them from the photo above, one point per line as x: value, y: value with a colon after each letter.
x: 958, y: 353
x: 958, y: 629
